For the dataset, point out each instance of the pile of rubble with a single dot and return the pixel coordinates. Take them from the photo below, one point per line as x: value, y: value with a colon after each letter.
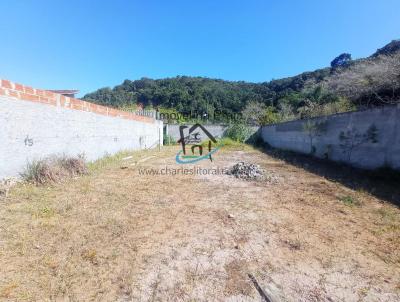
x: 246, y: 171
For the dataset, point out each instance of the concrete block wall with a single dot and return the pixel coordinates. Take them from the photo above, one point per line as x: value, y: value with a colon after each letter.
x: 369, y: 155
x: 37, y: 123
x: 216, y: 130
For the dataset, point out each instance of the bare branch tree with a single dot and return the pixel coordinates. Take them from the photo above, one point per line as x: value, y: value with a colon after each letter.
x: 369, y: 81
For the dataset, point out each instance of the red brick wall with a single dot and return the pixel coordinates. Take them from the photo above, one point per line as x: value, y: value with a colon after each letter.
x: 26, y: 93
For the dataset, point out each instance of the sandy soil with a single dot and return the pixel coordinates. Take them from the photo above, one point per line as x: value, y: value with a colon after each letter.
x: 116, y: 235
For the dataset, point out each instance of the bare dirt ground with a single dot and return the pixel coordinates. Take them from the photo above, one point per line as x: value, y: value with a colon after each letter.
x: 115, y: 235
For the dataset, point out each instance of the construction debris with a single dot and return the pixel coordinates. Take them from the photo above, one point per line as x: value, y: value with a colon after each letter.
x: 246, y: 171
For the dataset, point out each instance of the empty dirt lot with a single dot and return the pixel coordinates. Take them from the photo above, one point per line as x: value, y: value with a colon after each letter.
x: 115, y: 235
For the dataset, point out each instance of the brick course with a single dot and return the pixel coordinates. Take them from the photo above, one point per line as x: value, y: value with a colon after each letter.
x: 26, y: 93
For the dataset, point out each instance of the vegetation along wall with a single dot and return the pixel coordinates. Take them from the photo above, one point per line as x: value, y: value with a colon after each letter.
x: 367, y: 139
x: 37, y: 123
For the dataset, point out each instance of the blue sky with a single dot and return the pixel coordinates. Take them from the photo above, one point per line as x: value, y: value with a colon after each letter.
x: 86, y: 45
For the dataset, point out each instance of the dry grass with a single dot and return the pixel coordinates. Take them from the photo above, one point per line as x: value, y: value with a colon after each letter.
x: 113, y: 235
x: 53, y: 170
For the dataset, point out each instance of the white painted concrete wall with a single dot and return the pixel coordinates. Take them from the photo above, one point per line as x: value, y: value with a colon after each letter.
x: 30, y: 130
x: 386, y: 152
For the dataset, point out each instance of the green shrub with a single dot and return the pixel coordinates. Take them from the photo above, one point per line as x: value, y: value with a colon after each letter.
x: 238, y: 132
x: 270, y: 116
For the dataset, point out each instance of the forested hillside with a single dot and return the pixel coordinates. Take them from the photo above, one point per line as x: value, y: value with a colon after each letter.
x: 346, y: 85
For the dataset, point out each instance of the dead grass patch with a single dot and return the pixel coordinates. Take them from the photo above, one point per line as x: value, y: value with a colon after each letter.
x: 53, y: 170
x: 238, y: 282
x: 115, y: 235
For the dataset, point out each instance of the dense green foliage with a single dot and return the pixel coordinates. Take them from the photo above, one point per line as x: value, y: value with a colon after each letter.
x: 238, y: 132
x: 196, y: 96
x: 364, y: 82
x: 193, y: 96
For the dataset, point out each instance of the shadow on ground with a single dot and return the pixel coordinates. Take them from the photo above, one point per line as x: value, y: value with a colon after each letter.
x: 382, y: 183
